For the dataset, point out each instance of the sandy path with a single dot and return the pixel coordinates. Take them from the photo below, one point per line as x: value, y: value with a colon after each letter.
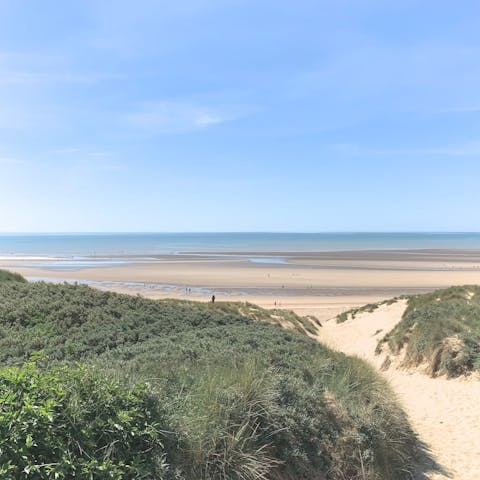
x: 445, y: 413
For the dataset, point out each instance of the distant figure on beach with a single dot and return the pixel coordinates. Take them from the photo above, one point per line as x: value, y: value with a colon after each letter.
x: 213, y: 298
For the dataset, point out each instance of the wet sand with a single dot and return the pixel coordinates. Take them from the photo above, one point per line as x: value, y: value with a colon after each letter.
x: 328, y: 281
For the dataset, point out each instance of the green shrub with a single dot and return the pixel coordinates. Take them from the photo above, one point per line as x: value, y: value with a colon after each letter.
x: 64, y: 423
x: 76, y: 322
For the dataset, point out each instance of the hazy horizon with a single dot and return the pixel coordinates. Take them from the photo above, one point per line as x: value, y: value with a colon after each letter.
x: 286, y: 232
x: 218, y: 243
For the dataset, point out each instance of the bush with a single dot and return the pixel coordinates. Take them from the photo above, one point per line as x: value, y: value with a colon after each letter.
x: 64, y: 423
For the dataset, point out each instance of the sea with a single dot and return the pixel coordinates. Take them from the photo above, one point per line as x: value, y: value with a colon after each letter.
x: 144, y: 244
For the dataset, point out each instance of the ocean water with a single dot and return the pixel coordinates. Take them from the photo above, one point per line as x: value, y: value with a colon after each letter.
x: 145, y: 244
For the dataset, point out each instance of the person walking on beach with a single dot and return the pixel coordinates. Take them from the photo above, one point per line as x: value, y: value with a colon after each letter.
x: 213, y: 298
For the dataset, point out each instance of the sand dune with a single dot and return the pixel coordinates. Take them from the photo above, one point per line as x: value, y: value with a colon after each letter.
x: 445, y: 413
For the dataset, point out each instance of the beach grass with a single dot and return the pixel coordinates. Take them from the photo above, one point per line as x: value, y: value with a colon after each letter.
x: 440, y: 330
x: 7, y: 276
x: 369, y: 308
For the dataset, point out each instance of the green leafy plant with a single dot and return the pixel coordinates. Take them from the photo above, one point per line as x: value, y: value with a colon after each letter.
x: 64, y: 423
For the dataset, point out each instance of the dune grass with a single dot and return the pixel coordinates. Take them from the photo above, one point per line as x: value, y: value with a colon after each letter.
x: 369, y: 308
x: 6, y: 276
x: 224, y: 393
x: 441, y: 330
x: 281, y: 317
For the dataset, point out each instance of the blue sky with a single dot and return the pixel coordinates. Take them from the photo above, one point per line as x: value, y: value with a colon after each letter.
x: 237, y: 115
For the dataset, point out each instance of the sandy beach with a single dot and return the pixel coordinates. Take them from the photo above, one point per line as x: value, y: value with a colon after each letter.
x: 326, y: 283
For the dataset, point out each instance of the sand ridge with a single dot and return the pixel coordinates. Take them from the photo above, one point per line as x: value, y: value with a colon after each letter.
x: 444, y: 413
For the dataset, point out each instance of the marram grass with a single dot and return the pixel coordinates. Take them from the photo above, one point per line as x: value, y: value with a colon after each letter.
x: 440, y: 331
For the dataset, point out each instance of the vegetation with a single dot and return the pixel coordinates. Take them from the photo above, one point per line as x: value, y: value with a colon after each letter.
x: 283, y: 318
x: 439, y: 329
x: 75, y: 322
x: 68, y: 423
x: 185, y: 391
x: 6, y: 276
x: 369, y: 308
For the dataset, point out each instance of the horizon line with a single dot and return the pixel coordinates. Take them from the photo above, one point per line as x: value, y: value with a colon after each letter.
x: 237, y: 232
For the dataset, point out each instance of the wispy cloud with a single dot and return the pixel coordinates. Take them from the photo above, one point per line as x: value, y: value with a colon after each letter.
x: 465, y: 149
x: 421, y: 77
x: 40, y: 68
x: 459, y: 110
x: 85, y: 160
x: 66, y: 151
x: 81, y: 152
x: 179, y: 116
x: 103, y: 166
x: 11, y: 161
x: 9, y: 77
x: 100, y: 154
x: 84, y: 168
